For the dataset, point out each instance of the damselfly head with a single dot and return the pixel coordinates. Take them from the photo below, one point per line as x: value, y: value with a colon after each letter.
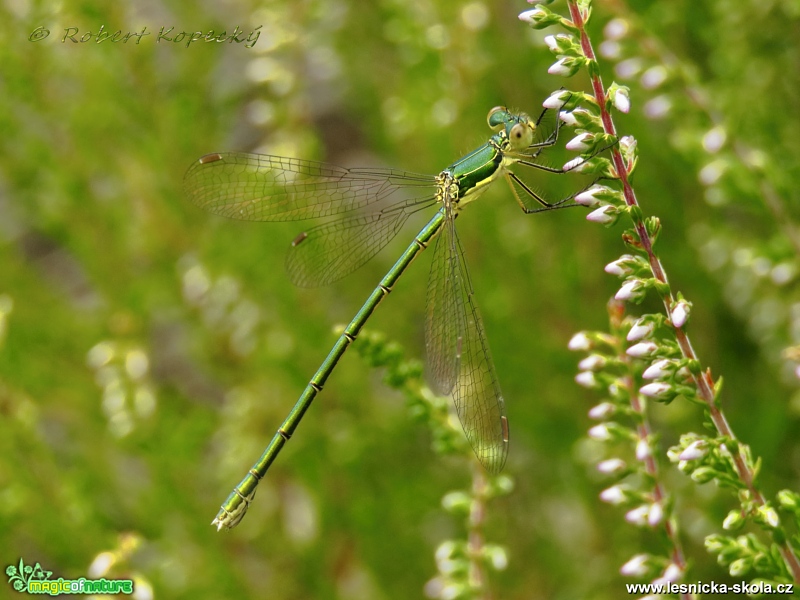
x: 518, y: 127
x: 520, y: 135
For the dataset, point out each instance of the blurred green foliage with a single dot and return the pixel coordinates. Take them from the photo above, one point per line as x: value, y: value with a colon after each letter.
x: 148, y: 351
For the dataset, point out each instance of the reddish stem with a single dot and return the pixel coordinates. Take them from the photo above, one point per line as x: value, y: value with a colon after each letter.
x: 704, y: 381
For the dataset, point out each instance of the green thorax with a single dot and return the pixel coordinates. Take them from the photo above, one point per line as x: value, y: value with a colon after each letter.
x: 472, y: 174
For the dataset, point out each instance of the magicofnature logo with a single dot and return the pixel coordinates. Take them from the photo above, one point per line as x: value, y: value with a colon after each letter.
x: 35, y: 580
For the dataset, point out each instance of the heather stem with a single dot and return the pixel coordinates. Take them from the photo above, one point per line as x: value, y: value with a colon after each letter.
x: 703, y: 380
x: 477, y: 516
x: 616, y: 310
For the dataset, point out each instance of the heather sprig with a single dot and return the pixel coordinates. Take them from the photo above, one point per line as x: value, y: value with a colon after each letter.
x: 613, y: 365
x: 659, y: 342
x: 736, y: 169
x: 462, y: 563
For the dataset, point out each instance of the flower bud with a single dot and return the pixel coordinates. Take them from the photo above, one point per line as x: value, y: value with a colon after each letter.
x: 659, y: 369
x: 611, y: 466
x: 579, y: 142
x: 621, y: 100
x: 658, y: 391
x: 672, y: 573
x: 586, y: 379
x: 605, y: 215
x: 788, y: 499
x: 572, y: 164
x: 680, y: 314
x: 566, y: 66
x: 769, y: 516
x: 656, y: 515
x: 636, y: 566
x: 593, y: 362
x: 615, y: 495
x: 638, y: 515
x: 592, y: 196
x: 632, y: 289
x: 533, y: 16
x: 740, y: 566
x: 621, y: 267
x: 600, y: 433
x: 580, y: 342
x: 643, y: 450
x: 695, y: 450
x: 641, y: 329
x: 733, y: 521
x: 568, y: 118
x: 602, y: 411
x: 556, y: 100
x: 642, y: 350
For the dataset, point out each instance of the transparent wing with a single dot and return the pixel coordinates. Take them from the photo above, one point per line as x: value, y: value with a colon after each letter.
x: 330, y: 251
x: 478, y: 399
x: 444, y: 319
x: 458, y: 354
x: 255, y: 187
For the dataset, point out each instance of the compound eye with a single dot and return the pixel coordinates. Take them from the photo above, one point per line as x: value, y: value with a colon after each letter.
x: 520, y: 136
x: 497, y: 117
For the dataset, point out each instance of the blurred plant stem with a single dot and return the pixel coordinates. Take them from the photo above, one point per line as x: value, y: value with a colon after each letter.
x: 462, y: 563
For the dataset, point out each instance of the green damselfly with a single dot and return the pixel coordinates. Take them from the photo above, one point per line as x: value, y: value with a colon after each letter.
x: 365, y: 208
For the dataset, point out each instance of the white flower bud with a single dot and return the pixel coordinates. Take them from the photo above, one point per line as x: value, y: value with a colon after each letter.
x: 632, y: 289
x: 733, y: 521
x: 660, y: 368
x: 611, y: 466
x: 672, y: 573
x: 613, y: 495
x: 593, y: 362
x: 616, y: 28
x: 680, y: 314
x: 578, y: 143
x: 560, y: 67
x: 556, y: 100
x: 586, y: 379
x: 602, y: 411
x: 638, y: 515
x: 653, y: 77
x: 658, y: 390
x: 621, y: 266
x: 769, y: 515
x: 600, y: 433
x: 643, y: 450
x: 621, y: 100
x: 695, y: 450
x: 640, y: 330
x: 580, y: 341
x: 532, y: 16
x: 590, y: 197
x: 603, y: 215
x: 739, y: 567
x: 572, y: 164
x: 642, y: 350
x: 568, y: 118
x: 656, y: 515
x: 635, y: 567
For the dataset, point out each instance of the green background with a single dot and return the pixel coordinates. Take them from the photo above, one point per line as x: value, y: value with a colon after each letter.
x: 149, y: 350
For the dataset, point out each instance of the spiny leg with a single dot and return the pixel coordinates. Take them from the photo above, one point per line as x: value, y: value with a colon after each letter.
x: 553, y: 137
x: 512, y: 178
